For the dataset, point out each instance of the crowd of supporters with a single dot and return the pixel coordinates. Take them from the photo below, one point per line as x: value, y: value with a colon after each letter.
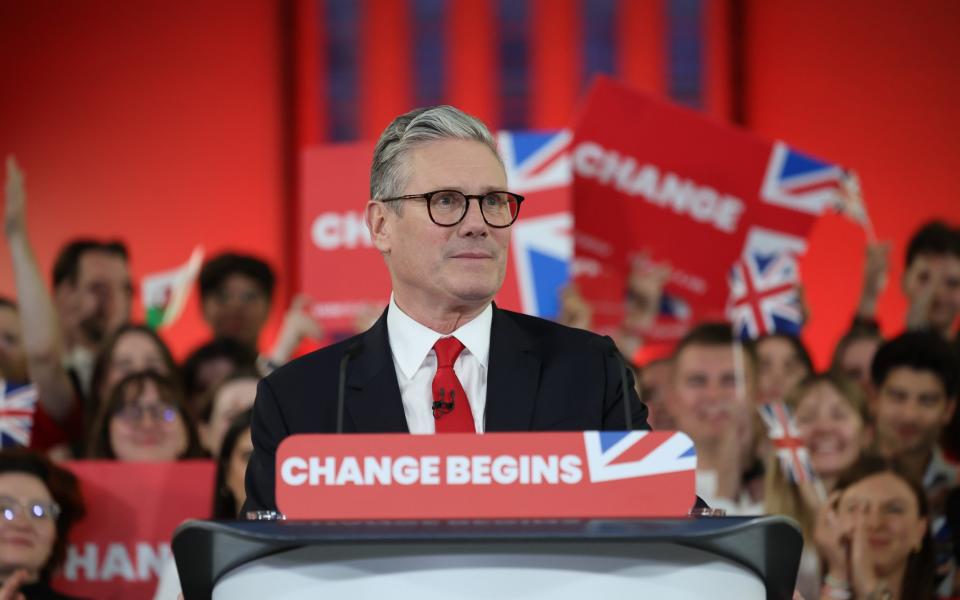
x: 880, y: 424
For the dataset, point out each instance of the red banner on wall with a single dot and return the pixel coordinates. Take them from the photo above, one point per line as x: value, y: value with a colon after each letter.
x: 118, y: 550
x: 661, y: 181
x: 493, y: 476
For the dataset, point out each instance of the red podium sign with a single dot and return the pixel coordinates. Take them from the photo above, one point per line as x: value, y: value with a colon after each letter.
x: 609, y: 474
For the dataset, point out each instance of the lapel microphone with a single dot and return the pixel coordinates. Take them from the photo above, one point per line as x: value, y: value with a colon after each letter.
x: 440, y: 407
x: 352, y: 351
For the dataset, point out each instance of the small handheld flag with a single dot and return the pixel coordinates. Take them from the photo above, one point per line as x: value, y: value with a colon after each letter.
x: 18, y: 403
x: 793, y: 455
x: 166, y: 293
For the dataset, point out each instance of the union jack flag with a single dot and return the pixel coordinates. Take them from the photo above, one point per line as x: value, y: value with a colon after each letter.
x: 793, y: 455
x: 801, y: 182
x: 613, y: 455
x: 17, y: 406
x: 542, y: 245
x: 764, y: 296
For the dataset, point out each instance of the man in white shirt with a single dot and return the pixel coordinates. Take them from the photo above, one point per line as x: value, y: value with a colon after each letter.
x: 443, y: 357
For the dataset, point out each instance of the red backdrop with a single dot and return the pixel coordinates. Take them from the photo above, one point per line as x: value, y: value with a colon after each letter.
x: 163, y: 120
x: 158, y: 121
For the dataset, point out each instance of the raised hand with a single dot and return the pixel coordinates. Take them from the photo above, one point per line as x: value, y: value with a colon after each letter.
x: 575, y: 311
x: 875, y: 270
x: 10, y: 590
x: 645, y: 290
x: 16, y: 199
x: 297, y: 325
x: 832, y: 538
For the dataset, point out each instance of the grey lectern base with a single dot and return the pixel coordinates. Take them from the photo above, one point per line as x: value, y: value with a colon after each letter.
x: 731, y: 557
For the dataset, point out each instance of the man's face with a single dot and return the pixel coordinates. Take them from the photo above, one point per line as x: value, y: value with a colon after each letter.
x: 237, y: 309
x: 655, y: 392
x: 910, y: 409
x: 708, y: 397
x: 99, y: 300
x: 436, y: 268
x: 936, y: 276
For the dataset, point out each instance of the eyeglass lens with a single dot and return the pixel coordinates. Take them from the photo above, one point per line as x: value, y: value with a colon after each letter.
x: 134, y: 412
x: 10, y: 508
x: 449, y: 207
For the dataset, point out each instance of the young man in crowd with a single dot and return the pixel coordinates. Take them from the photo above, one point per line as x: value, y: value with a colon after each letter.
x: 931, y: 280
x: 236, y: 291
x: 714, y: 384
x: 916, y: 377
x: 93, y: 294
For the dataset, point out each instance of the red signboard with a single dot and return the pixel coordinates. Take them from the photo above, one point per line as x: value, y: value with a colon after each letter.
x: 119, y: 548
x: 664, y: 182
x: 616, y: 474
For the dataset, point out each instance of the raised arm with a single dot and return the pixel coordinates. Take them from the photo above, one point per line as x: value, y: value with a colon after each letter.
x: 42, y: 341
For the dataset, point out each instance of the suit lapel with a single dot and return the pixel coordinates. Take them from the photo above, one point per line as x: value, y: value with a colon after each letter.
x: 373, y: 399
x: 513, y: 376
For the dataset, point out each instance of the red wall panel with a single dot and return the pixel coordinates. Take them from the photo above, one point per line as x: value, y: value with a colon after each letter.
x: 158, y: 121
x: 873, y: 85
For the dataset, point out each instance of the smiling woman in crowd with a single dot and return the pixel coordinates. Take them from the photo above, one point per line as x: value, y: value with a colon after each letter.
x: 145, y: 419
x: 39, y: 503
x: 874, y: 537
x: 831, y: 417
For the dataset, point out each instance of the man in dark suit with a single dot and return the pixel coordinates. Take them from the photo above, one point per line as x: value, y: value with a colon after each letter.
x: 442, y: 357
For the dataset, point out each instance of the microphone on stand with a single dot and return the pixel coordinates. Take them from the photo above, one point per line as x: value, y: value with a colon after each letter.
x: 440, y: 407
x: 352, y: 351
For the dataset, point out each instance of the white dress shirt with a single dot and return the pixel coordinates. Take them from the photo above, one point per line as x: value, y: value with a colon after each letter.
x: 416, y: 363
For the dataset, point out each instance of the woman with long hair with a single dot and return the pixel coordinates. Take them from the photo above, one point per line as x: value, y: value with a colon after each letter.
x: 873, y: 534
x: 831, y: 415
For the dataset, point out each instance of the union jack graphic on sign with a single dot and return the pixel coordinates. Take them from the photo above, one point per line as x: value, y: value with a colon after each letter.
x: 763, y: 295
x: 800, y: 182
x: 793, y: 455
x: 613, y: 455
x: 17, y: 406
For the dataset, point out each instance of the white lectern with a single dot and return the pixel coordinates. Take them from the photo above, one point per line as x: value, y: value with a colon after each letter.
x: 741, y: 558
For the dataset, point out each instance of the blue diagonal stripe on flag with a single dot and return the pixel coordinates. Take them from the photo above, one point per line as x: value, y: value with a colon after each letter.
x: 798, y: 163
x: 609, y: 438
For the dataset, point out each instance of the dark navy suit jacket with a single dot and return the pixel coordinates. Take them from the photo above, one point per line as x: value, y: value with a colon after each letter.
x: 541, y: 377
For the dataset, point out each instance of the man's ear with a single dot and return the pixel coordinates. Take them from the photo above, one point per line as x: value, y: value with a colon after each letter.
x: 378, y: 225
x: 951, y: 408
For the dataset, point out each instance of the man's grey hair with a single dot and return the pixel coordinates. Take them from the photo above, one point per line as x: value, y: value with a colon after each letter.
x: 388, y: 175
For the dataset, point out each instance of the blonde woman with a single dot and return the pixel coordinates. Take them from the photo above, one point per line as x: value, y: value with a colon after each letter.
x: 831, y: 415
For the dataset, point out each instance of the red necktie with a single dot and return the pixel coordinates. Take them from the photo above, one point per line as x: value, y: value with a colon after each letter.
x: 451, y: 409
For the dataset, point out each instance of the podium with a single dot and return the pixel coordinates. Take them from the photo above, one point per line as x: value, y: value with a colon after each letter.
x: 731, y: 557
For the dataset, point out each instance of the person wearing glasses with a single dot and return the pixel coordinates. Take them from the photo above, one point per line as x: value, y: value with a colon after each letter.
x: 442, y: 357
x: 145, y: 419
x: 39, y: 503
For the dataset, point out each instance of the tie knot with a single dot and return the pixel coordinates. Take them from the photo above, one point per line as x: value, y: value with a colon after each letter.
x: 447, y: 349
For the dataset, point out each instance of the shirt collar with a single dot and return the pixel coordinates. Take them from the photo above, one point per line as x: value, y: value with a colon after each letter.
x: 410, y: 341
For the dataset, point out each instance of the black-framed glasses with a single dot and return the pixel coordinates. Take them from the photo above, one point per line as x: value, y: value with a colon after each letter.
x: 35, y: 509
x: 448, y: 207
